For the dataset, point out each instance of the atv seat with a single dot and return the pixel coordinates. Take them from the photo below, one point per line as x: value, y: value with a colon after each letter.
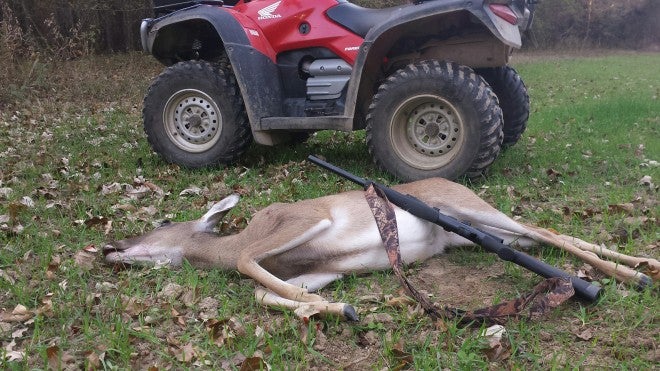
x: 358, y: 19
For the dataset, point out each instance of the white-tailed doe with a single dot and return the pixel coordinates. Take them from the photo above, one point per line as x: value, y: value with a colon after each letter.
x: 293, y: 250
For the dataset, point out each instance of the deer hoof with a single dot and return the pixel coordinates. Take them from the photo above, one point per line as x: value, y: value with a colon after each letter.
x: 350, y: 314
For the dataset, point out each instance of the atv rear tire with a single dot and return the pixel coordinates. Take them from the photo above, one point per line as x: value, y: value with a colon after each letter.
x: 194, y: 115
x: 514, y: 100
x: 434, y: 119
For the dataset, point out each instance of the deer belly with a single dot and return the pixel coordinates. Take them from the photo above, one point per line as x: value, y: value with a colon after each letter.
x: 361, y: 249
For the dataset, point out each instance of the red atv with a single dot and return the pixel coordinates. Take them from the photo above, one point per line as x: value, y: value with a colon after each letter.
x: 428, y: 81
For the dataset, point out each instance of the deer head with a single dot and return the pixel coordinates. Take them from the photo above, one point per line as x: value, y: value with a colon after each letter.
x: 172, y: 242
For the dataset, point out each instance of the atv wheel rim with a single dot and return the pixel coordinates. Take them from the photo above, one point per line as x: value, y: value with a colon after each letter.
x: 192, y: 120
x: 426, y: 132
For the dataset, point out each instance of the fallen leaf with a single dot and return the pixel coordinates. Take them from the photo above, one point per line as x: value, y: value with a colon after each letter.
x: 12, y: 355
x: 96, y: 221
x: 186, y: 353
x: 498, y: 347
x: 132, y: 306
x: 93, y: 361
x: 627, y: 208
x: 586, y: 272
x: 27, y: 201
x: 192, y: 191
x: 19, y: 314
x: 403, y: 358
x: 107, y: 189
x: 19, y: 333
x: 171, y: 291
x: 401, y: 301
x: 254, y: 363
x: 53, y: 354
x: 84, y: 258
x: 585, y: 335
x: 4, y: 275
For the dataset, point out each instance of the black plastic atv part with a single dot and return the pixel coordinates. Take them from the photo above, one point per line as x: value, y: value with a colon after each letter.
x: 358, y: 19
x: 162, y: 7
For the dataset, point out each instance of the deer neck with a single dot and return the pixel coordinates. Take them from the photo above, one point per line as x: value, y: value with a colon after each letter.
x: 213, y: 251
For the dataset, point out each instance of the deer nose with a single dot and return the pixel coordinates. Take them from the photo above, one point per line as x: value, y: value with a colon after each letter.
x: 110, y: 248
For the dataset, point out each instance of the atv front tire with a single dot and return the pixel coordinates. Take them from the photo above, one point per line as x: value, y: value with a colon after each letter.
x: 194, y: 115
x: 514, y: 100
x: 434, y: 119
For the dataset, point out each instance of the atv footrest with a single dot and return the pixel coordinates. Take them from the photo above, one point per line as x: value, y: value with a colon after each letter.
x: 307, y: 123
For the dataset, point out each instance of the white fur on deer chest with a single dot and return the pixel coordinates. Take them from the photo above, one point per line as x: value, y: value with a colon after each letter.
x: 359, y: 247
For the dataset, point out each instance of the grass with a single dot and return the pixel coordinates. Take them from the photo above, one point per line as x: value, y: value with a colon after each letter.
x: 72, y: 148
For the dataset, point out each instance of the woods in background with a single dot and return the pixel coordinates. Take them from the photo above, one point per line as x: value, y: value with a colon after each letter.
x: 67, y: 29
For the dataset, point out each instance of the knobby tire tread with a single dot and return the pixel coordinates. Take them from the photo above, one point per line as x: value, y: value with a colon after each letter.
x: 487, y: 106
x: 222, y: 76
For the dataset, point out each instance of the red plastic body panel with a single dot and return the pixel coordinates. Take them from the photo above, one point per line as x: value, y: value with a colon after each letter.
x: 273, y: 26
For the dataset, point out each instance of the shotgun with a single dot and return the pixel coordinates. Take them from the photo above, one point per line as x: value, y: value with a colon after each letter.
x: 486, y: 240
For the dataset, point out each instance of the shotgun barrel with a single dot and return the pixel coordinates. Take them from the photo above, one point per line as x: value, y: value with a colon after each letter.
x: 486, y: 240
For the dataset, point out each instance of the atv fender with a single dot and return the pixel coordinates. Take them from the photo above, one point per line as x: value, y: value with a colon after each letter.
x: 500, y: 36
x: 253, y: 70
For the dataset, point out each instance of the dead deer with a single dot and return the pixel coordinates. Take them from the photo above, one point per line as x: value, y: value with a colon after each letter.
x: 295, y: 249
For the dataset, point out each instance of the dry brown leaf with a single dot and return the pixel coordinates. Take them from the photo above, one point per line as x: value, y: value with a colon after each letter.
x: 12, y: 355
x: 222, y: 332
x: 403, y: 358
x: 19, y: 333
x: 93, y: 361
x: 189, y: 297
x: 400, y: 301
x: 84, y: 258
x: 19, y: 314
x: 186, y: 353
x: 58, y: 359
x: 586, y: 334
x: 586, y: 272
x: 171, y: 291
x: 627, y: 208
x: 498, y: 347
x: 53, y: 266
x: 254, y: 363
x: 107, y: 189
x: 132, y: 306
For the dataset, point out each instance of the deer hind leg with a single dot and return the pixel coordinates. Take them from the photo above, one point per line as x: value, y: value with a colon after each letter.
x: 619, y: 271
x: 497, y: 223
x: 631, y: 261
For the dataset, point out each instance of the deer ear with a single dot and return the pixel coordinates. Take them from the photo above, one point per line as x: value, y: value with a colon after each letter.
x: 217, y: 212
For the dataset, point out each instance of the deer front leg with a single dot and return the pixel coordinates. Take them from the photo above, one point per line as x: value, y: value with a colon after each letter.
x: 287, y: 238
x: 312, y: 282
